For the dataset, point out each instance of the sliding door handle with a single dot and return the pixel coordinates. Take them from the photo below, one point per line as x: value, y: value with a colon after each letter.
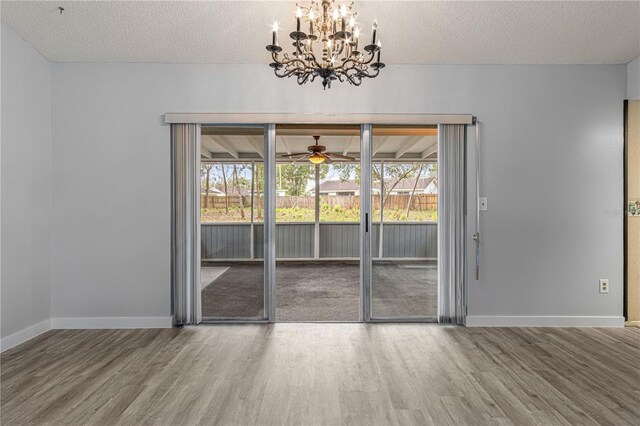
x: 366, y: 222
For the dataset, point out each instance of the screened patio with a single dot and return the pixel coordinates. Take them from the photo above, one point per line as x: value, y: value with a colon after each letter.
x: 317, y: 228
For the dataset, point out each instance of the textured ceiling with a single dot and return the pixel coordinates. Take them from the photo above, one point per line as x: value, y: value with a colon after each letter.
x: 411, y: 32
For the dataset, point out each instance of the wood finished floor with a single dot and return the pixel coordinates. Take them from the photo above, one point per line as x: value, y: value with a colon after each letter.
x: 325, y: 374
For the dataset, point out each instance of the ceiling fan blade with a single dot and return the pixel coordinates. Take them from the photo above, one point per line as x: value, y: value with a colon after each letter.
x: 326, y: 159
x: 297, y: 154
x: 340, y: 156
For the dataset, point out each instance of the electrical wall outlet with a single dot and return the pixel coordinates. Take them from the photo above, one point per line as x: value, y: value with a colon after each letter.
x: 604, y: 285
x: 483, y: 204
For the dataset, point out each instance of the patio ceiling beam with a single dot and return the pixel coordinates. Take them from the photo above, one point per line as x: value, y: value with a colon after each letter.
x: 285, y: 144
x: 410, y: 143
x: 381, y: 141
x: 257, y: 145
x: 205, y: 153
x: 432, y: 149
x: 218, y: 140
x: 347, y: 146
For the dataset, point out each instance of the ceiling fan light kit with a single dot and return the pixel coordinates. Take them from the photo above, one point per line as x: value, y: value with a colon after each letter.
x: 317, y: 154
x: 330, y: 49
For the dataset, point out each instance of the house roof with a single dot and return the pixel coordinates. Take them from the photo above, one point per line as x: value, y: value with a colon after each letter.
x: 212, y: 190
x: 339, y: 186
x: 407, y: 184
x: 352, y: 185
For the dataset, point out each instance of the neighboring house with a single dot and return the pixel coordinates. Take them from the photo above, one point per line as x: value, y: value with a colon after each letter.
x: 212, y: 191
x: 245, y: 192
x: 405, y: 186
x: 427, y: 185
x: 339, y: 187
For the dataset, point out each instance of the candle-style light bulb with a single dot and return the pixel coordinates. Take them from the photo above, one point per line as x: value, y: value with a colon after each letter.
x: 356, y: 35
x: 343, y: 13
x: 374, y: 27
x: 298, y: 16
x: 335, y: 14
x: 274, y: 28
x: 352, y: 21
x: 379, y: 50
x: 311, y: 18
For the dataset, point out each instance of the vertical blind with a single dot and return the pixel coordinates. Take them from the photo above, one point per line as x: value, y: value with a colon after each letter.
x: 451, y: 219
x: 185, y: 227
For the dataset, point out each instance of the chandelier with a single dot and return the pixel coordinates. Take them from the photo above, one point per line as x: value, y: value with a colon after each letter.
x: 330, y: 50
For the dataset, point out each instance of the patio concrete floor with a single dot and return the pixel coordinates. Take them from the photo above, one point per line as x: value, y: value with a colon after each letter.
x: 320, y: 290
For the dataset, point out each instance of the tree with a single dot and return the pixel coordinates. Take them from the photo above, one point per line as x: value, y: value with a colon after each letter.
x: 294, y: 178
x: 393, y: 174
x: 413, y: 190
x: 205, y: 173
x: 226, y: 188
x: 258, y: 178
x: 347, y: 171
x: 236, y: 183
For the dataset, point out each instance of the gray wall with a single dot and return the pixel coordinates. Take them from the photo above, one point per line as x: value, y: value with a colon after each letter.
x: 25, y: 188
x: 552, y: 172
x: 633, y: 79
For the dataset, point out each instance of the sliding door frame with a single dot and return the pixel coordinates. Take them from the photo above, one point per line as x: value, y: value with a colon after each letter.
x: 269, y: 227
x: 268, y: 123
x: 366, y: 262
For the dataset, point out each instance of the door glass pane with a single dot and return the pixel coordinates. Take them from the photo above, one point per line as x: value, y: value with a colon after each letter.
x: 404, y: 207
x: 232, y: 215
x: 317, y: 235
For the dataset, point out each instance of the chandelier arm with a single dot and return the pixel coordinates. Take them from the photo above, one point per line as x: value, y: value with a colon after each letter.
x: 360, y: 73
x: 314, y: 60
x: 355, y: 61
x: 302, y: 79
x: 307, y: 55
x: 371, y: 56
x: 344, y: 74
x: 288, y: 62
x: 357, y: 82
x: 286, y: 73
x: 366, y: 74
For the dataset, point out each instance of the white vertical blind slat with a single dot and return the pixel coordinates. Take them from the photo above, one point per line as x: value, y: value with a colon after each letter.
x: 451, y: 232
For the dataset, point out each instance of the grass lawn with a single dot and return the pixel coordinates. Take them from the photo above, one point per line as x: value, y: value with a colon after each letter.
x: 296, y: 214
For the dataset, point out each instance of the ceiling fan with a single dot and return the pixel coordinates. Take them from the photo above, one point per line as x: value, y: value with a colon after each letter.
x: 317, y: 154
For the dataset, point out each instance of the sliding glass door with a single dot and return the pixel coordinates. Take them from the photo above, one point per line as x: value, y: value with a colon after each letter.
x: 403, y: 280
x: 232, y: 175
x: 318, y: 223
x: 317, y: 199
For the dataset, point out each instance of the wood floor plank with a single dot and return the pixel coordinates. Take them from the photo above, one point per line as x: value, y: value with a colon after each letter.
x: 324, y: 374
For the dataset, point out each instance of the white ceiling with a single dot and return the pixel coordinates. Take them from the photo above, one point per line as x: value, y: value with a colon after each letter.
x: 417, y: 32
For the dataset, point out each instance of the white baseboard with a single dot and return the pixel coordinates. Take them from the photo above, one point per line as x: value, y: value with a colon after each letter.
x: 22, y: 336
x: 111, y: 322
x: 543, y: 321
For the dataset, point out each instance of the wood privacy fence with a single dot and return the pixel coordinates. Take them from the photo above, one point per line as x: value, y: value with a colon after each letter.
x: 419, y: 202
